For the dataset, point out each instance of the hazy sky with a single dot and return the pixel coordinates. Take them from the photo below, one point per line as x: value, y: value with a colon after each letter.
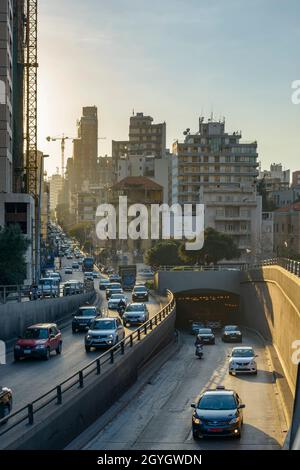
x: 174, y: 60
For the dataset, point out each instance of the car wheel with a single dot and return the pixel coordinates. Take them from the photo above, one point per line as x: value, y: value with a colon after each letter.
x: 255, y: 373
x: 239, y: 435
x: 47, y: 355
x: 195, y: 436
x: 59, y: 348
x: 87, y: 349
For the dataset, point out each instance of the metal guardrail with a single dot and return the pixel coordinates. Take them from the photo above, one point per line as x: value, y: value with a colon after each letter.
x: 79, y: 379
x: 21, y: 293
x: 286, y: 263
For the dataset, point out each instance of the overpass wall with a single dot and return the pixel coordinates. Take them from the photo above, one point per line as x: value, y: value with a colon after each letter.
x: 270, y: 303
x: 15, y: 317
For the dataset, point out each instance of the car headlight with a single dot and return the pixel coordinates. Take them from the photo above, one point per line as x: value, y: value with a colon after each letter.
x: 17, y: 346
x: 235, y: 420
x: 88, y: 337
x: 196, y: 420
x: 110, y: 337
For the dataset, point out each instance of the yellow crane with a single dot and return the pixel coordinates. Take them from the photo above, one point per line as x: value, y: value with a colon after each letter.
x: 62, y: 139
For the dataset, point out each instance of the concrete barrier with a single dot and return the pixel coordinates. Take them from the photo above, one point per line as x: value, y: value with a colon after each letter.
x: 56, y: 428
x: 270, y: 300
x: 15, y: 317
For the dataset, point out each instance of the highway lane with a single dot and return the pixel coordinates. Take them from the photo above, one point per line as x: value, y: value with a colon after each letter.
x: 159, y: 416
x: 30, y: 378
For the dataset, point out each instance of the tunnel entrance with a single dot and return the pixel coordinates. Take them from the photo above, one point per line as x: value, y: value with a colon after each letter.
x: 206, y: 306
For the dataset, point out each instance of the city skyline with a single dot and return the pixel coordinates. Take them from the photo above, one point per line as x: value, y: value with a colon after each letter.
x: 175, y: 62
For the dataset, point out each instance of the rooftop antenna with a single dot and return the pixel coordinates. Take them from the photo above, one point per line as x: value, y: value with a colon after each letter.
x: 133, y: 112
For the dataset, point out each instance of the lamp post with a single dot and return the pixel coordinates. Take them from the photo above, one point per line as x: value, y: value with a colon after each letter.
x: 38, y: 230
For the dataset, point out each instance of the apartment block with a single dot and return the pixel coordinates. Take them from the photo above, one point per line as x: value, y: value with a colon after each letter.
x: 217, y: 169
x: 287, y: 230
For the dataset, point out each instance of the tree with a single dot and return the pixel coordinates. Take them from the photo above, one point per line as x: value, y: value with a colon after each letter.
x: 82, y: 233
x: 217, y: 246
x: 13, y: 247
x: 163, y: 253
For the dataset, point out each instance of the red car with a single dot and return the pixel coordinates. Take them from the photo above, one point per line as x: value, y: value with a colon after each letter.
x: 39, y: 341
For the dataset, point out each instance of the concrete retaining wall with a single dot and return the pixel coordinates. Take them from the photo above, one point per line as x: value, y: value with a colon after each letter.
x: 270, y: 301
x: 15, y: 317
x: 58, y: 427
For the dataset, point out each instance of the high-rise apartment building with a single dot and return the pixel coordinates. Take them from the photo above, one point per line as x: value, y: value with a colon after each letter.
x: 85, y: 150
x: 215, y: 168
x: 55, y: 187
x: 6, y: 95
x: 276, y: 178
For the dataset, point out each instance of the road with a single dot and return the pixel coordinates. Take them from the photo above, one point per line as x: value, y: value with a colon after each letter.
x: 159, y: 416
x: 30, y: 378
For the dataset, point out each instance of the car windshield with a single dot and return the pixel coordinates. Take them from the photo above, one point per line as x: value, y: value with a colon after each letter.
x: 139, y: 289
x: 135, y: 308
x: 46, y: 282
x: 36, y: 333
x: 103, y: 325
x: 205, y: 331
x: 217, y: 402
x: 87, y: 312
x: 115, y: 286
x: 231, y: 328
x: 117, y: 296
x: 242, y: 353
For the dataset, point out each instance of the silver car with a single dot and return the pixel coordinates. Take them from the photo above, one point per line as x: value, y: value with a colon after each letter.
x: 135, y: 313
x: 115, y: 300
x: 104, y: 332
x: 242, y: 361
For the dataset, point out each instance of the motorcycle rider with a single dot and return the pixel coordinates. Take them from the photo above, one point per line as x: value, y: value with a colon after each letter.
x: 121, y: 307
x: 199, y: 345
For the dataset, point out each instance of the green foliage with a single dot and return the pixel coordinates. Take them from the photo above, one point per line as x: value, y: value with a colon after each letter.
x: 13, y: 247
x: 217, y: 246
x: 82, y: 233
x: 163, y: 253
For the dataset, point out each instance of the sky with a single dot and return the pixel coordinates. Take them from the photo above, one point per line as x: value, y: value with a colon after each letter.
x: 174, y: 60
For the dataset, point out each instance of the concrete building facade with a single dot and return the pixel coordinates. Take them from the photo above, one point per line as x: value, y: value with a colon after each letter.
x: 214, y: 168
x: 6, y: 96
x: 287, y: 230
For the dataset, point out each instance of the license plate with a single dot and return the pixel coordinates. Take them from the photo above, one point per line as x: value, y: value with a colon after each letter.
x: 215, y: 429
x: 27, y: 351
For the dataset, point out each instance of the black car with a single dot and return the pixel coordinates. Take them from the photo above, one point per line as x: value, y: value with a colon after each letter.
x: 232, y: 333
x: 113, y: 288
x: 218, y: 412
x: 84, y: 317
x: 5, y: 403
x: 140, y: 293
x: 207, y: 336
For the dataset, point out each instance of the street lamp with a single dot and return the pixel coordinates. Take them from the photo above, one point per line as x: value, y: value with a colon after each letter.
x: 38, y: 230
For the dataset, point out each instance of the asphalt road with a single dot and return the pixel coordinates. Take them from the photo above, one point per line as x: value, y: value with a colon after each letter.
x: 30, y: 378
x: 159, y: 416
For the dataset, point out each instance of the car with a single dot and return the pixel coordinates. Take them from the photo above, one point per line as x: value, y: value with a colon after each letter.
x: 75, y: 265
x: 6, y: 400
x: 68, y: 270
x: 73, y: 287
x: 104, y: 283
x: 95, y: 274
x: 113, y: 288
x: 115, y: 278
x: 232, y: 333
x: 39, y: 341
x: 242, y: 361
x: 84, y: 317
x: 88, y: 275
x: 207, y: 335
x: 135, y: 313
x: 196, y: 326
x: 56, y: 276
x: 104, y: 332
x: 69, y: 256
x: 140, y: 293
x: 48, y: 287
x: 115, y: 299
x: 218, y: 412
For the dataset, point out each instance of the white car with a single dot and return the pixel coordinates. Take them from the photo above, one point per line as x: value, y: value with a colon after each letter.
x: 104, y: 332
x: 242, y: 361
x: 115, y: 299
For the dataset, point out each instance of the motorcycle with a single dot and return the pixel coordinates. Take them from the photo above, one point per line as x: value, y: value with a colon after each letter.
x: 199, y: 351
x: 121, y: 310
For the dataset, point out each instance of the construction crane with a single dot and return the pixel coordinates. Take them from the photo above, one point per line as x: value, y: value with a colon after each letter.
x: 30, y: 97
x: 62, y: 139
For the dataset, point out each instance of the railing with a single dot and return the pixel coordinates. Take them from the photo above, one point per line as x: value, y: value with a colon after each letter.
x: 290, y: 265
x: 78, y: 380
x: 22, y: 293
